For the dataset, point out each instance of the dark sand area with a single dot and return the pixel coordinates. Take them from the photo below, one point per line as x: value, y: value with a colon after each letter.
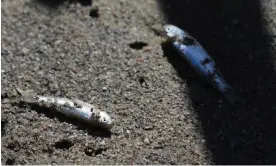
x: 110, y: 53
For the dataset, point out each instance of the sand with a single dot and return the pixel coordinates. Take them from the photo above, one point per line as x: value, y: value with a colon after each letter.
x: 111, y: 54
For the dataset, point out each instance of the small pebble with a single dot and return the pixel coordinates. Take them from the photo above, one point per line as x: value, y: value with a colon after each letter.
x: 148, y: 128
x: 104, y: 88
x: 57, y: 42
x: 128, y: 132
x: 146, y: 140
x: 25, y: 50
x: 89, y: 152
x: 147, y: 49
x: 102, y: 142
x: 5, y: 101
x: 139, y: 59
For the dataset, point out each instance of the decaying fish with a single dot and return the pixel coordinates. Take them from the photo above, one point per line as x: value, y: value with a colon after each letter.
x: 70, y: 107
x: 193, y: 52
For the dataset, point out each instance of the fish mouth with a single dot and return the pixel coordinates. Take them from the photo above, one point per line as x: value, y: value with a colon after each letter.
x: 164, y: 34
x: 167, y: 35
x: 108, y: 125
x: 103, y: 125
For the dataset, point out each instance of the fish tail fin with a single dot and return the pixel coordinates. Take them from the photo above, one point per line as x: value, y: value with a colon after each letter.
x: 27, y: 96
x: 233, y: 97
x: 227, y: 91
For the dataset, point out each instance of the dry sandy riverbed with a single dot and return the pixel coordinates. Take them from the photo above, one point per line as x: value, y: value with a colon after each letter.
x: 109, y: 53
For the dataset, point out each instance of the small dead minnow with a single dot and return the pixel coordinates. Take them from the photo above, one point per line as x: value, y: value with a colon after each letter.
x: 194, y: 53
x: 70, y: 107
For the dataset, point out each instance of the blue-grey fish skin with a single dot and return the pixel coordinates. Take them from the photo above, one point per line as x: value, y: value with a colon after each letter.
x: 197, y: 57
x: 205, y: 66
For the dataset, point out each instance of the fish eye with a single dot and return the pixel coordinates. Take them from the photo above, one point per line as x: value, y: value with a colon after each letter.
x: 168, y: 29
x: 104, y: 120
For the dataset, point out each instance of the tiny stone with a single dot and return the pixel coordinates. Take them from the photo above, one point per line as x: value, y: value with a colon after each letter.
x: 139, y: 143
x: 148, y: 127
x: 146, y: 140
x: 4, y: 52
x: 57, y: 42
x: 104, y: 88
x: 25, y: 50
x: 128, y: 132
x: 102, y: 142
x: 6, y: 101
x: 35, y: 131
x: 43, y: 47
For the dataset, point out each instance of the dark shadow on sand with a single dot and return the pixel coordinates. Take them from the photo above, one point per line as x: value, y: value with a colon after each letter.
x: 235, y: 36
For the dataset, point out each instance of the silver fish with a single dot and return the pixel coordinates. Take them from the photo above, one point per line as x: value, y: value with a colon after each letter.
x: 194, y: 53
x: 70, y: 107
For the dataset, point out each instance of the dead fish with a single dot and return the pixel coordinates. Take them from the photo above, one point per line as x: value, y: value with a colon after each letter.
x: 70, y: 107
x: 194, y: 53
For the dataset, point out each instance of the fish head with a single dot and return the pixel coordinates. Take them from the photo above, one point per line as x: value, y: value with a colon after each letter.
x: 173, y: 32
x: 176, y: 34
x: 105, y: 120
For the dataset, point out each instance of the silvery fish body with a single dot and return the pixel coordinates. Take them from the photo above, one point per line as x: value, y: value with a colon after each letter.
x: 194, y: 53
x: 70, y: 107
